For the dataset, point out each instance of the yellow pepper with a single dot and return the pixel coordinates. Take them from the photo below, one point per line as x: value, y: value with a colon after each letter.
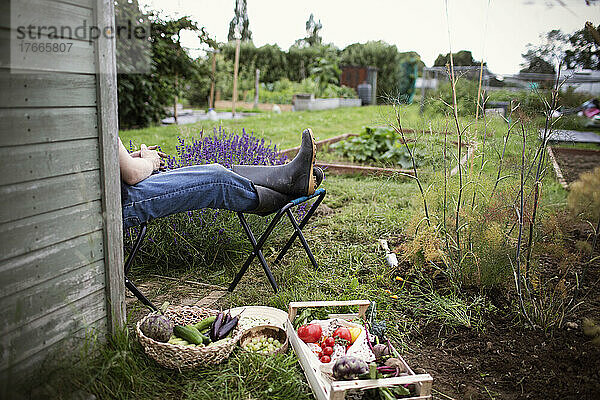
x: 354, y: 333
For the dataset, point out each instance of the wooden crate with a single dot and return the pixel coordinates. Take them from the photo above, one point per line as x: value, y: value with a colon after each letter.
x: 325, y: 389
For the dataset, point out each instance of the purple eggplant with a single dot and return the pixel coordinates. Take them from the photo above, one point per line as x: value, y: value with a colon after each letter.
x: 227, y: 327
x: 214, y: 328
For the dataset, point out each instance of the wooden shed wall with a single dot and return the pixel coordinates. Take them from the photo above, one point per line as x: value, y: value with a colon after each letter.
x: 60, y: 240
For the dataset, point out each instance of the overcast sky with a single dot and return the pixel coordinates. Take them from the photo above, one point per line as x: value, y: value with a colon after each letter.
x: 412, y: 25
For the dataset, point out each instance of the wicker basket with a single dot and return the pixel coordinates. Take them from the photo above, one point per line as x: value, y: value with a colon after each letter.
x: 179, y: 357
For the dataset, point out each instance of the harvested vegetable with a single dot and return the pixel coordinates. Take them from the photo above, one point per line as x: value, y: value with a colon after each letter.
x: 343, y: 334
x: 190, y: 334
x: 310, y: 333
x: 395, y: 363
x: 205, y: 323
x: 381, y: 351
x: 348, y: 367
x: 354, y: 334
x: 157, y: 327
x: 214, y: 328
x: 263, y: 345
x: 328, y: 341
x: 227, y: 327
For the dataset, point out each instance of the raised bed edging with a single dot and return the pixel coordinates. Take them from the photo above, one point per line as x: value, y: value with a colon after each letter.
x: 343, y: 169
x: 557, y: 170
x: 320, y: 143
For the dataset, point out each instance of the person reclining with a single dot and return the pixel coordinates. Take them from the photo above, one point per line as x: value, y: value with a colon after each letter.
x: 147, y: 193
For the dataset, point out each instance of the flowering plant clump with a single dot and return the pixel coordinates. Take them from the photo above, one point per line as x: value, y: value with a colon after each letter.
x: 225, y: 148
x: 205, y: 237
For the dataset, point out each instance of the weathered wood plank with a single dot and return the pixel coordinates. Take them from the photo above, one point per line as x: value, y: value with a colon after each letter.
x: 78, y: 59
x: 45, y: 15
x: 36, y: 267
x: 80, y: 3
x: 38, y: 161
x: 29, y: 234
x: 27, y: 199
x: 43, y: 333
x: 43, y: 125
x: 47, y: 297
x: 46, y: 90
x: 109, y: 160
x: 47, y: 359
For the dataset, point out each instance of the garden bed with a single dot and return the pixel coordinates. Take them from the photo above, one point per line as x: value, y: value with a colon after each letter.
x: 574, y: 162
x: 334, y: 163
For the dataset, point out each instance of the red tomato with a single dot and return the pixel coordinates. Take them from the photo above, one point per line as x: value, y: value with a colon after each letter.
x: 310, y: 333
x: 325, y: 359
x: 343, y: 333
x: 327, y: 351
x: 329, y: 341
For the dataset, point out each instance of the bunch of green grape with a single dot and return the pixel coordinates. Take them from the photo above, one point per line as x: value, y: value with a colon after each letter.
x: 263, y: 345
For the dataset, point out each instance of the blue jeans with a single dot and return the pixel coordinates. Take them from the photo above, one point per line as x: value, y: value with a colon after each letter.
x: 186, y: 189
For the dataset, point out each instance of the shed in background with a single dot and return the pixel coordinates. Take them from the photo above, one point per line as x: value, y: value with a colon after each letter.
x: 354, y: 76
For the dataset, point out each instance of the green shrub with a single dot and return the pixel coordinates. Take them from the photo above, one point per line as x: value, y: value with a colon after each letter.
x: 383, y: 145
x: 282, y: 91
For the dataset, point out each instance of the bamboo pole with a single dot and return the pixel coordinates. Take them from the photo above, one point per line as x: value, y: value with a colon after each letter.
x: 235, y: 75
x: 211, y: 101
x: 479, y: 89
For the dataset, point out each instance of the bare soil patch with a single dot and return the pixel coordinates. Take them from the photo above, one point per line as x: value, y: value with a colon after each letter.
x: 574, y: 162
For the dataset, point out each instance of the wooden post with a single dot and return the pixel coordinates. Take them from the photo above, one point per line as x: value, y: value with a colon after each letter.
x: 106, y: 80
x: 256, y: 81
x: 211, y: 101
x: 423, y: 89
x: 235, y: 75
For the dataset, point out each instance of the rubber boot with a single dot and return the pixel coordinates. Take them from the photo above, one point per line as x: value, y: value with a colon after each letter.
x: 269, y: 200
x: 295, y: 178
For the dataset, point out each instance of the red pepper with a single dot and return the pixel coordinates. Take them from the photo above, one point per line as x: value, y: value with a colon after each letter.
x: 342, y: 333
x: 310, y: 333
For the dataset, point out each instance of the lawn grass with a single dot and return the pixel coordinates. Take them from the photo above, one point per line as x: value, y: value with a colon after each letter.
x: 345, y: 243
x: 282, y: 129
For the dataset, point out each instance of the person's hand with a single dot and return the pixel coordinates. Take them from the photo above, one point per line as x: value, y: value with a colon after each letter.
x: 137, y: 153
x: 152, y: 155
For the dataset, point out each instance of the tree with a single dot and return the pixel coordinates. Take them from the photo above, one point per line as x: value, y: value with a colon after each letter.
x: 239, y: 27
x: 536, y: 64
x: 142, y: 97
x: 463, y: 58
x: 584, y: 51
x: 324, y: 72
x: 312, y: 31
x: 543, y: 58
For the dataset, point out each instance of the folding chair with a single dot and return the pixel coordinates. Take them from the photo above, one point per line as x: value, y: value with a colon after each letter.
x: 256, y: 245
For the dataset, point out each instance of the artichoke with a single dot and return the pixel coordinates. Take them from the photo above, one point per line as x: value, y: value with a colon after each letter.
x: 348, y: 367
x: 157, y: 327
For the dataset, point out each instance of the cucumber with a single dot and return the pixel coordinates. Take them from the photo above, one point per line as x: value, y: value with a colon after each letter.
x: 218, y: 342
x: 189, y: 333
x: 205, y: 323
